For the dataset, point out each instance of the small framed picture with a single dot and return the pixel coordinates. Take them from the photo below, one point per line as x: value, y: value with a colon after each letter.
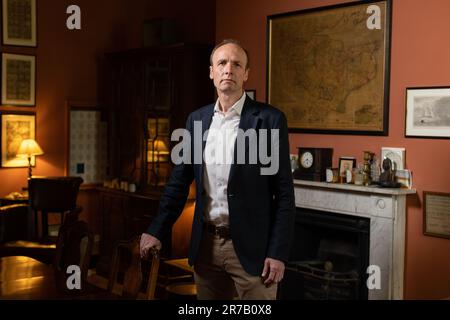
x: 19, y: 23
x: 397, y: 156
x: 251, y: 94
x: 436, y: 214
x: 18, y: 79
x: 346, y: 163
x: 15, y: 128
x: 428, y: 112
x: 404, y: 177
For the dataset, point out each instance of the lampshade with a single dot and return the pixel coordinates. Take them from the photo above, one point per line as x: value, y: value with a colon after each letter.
x: 158, y: 151
x: 160, y: 146
x: 28, y: 148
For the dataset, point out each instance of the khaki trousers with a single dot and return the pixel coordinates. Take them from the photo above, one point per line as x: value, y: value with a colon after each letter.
x: 220, y: 276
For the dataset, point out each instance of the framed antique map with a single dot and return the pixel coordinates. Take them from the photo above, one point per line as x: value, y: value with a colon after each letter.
x: 328, y: 68
x: 15, y: 128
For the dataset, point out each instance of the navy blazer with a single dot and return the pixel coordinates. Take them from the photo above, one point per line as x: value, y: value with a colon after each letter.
x: 261, y: 207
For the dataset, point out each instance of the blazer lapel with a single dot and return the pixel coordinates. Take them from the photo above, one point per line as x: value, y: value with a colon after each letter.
x: 249, y: 120
x: 206, y: 118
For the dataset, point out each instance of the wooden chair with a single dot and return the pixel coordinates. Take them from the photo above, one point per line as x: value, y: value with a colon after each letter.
x: 52, y: 195
x: 127, y: 262
x: 73, y: 248
x: 16, y: 243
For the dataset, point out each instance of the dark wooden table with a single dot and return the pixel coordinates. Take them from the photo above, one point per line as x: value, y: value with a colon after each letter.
x: 26, y: 278
x: 181, y: 264
x: 7, y: 200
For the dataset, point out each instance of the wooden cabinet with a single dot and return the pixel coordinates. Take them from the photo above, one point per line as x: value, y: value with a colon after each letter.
x: 113, y: 205
x: 151, y: 92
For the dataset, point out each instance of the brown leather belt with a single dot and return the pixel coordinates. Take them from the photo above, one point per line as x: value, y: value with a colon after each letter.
x: 221, y: 231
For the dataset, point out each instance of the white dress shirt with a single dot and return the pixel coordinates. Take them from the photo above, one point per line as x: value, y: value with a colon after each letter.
x: 218, y: 157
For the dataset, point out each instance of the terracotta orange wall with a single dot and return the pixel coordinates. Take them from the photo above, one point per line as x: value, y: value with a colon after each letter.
x: 69, y: 63
x: 67, y: 70
x: 419, y: 58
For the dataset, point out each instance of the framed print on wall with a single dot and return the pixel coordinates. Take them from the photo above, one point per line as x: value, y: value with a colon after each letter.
x: 15, y: 128
x: 19, y: 22
x: 436, y: 214
x: 328, y: 67
x: 428, y: 112
x: 18, y: 79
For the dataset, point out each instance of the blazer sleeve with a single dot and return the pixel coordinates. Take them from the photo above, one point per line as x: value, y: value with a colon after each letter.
x: 284, y: 202
x: 175, y: 194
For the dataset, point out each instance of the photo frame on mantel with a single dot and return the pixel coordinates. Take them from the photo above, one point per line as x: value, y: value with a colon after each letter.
x: 328, y: 67
x: 19, y: 23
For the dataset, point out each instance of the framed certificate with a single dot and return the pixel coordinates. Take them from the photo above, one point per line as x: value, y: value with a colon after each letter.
x: 436, y: 214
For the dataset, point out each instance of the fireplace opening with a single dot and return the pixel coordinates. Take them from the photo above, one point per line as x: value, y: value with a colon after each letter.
x: 329, y: 257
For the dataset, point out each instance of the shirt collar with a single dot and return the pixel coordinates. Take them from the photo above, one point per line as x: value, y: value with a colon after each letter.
x: 236, y: 107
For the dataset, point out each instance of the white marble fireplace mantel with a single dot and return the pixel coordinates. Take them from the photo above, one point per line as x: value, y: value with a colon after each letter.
x: 386, y: 209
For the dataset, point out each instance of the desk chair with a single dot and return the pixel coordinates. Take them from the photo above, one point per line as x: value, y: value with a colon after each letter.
x: 49, y: 195
x: 127, y: 261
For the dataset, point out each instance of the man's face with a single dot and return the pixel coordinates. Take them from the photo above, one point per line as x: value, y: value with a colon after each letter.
x: 228, y: 69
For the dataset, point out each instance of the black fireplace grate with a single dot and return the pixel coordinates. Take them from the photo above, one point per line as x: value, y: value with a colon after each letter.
x: 321, y: 283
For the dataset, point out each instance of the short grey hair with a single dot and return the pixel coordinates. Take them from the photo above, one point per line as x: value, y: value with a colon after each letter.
x: 228, y: 41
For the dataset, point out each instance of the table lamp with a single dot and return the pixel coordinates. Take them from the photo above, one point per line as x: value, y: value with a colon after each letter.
x: 158, y: 153
x: 29, y: 148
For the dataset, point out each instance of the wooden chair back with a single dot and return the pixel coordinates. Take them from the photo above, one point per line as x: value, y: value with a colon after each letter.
x: 127, y: 262
x: 73, y: 248
x: 52, y: 195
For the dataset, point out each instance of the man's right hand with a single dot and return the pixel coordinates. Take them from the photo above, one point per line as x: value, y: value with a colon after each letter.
x: 147, y: 242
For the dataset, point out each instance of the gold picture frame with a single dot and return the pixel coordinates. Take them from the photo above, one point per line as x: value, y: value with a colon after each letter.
x: 328, y: 67
x: 18, y: 79
x: 15, y: 128
x: 436, y: 214
x: 19, y: 23
x: 346, y: 163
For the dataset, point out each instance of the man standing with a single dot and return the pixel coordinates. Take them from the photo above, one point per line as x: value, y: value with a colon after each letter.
x: 244, y: 218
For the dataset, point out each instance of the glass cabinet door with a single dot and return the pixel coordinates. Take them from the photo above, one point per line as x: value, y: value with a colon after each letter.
x: 157, y: 85
x: 158, y: 151
x: 158, y: 103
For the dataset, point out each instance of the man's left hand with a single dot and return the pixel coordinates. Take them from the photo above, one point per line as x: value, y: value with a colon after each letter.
x: 273, y: 271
